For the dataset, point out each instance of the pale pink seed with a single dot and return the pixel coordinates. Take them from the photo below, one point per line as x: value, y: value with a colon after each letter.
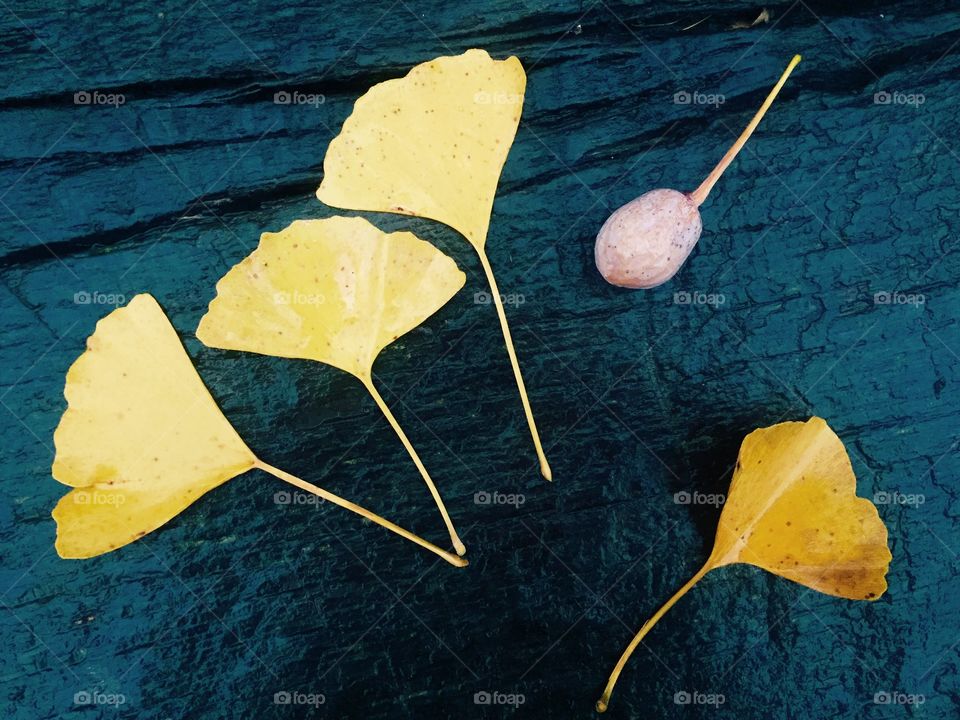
x: 644, y: 243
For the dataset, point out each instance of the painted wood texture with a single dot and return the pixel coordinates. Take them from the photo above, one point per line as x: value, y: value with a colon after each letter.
x: 825, y: 283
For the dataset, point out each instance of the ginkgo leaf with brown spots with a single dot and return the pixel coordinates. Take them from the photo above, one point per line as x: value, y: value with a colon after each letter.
x: 336, y: 291
x: 433, y: 144
x: 793, y: 510
x: 142, y: 439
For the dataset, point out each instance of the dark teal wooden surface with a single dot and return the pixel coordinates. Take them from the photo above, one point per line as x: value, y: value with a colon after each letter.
x: 836, y: 198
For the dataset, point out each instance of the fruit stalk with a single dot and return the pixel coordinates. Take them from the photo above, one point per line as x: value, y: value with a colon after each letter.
x: 700, y: 194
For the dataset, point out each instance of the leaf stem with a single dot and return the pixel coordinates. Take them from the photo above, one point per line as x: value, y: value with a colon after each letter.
x: 495, y: 291
x: 455, y: 539
x: 604, y: 700
x: 353, y: 507
x: 700, y: 194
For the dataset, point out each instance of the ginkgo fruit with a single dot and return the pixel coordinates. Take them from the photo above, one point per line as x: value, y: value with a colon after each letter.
x: 433, y: 144
x: 793, y: 510
x: 142, y: 438
x: 645, y: 242
x: 337, y: 291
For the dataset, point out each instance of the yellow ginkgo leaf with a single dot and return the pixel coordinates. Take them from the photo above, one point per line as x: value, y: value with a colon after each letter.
x: 336, y: 291
x: 793, y: 510
x: 433, y: 144
x: 141, y: 438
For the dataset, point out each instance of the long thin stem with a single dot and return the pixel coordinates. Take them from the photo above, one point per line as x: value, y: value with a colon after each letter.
x: 494, y: 290
x: 700, y: 194
x: 353, y: 507
x: 455, y: 539
x: 604, y: 700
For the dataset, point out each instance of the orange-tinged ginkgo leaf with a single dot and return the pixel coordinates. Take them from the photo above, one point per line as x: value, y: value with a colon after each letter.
x: 793, y: 510
x: 141, y: 438
x: 433, y: 144
x: 336, y: 291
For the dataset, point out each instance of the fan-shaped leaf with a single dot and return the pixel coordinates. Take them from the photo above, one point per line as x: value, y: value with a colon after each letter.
x: 433, y: 144
x: 141, y: 438
x: 335, y: 291
x: 793, y: 510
